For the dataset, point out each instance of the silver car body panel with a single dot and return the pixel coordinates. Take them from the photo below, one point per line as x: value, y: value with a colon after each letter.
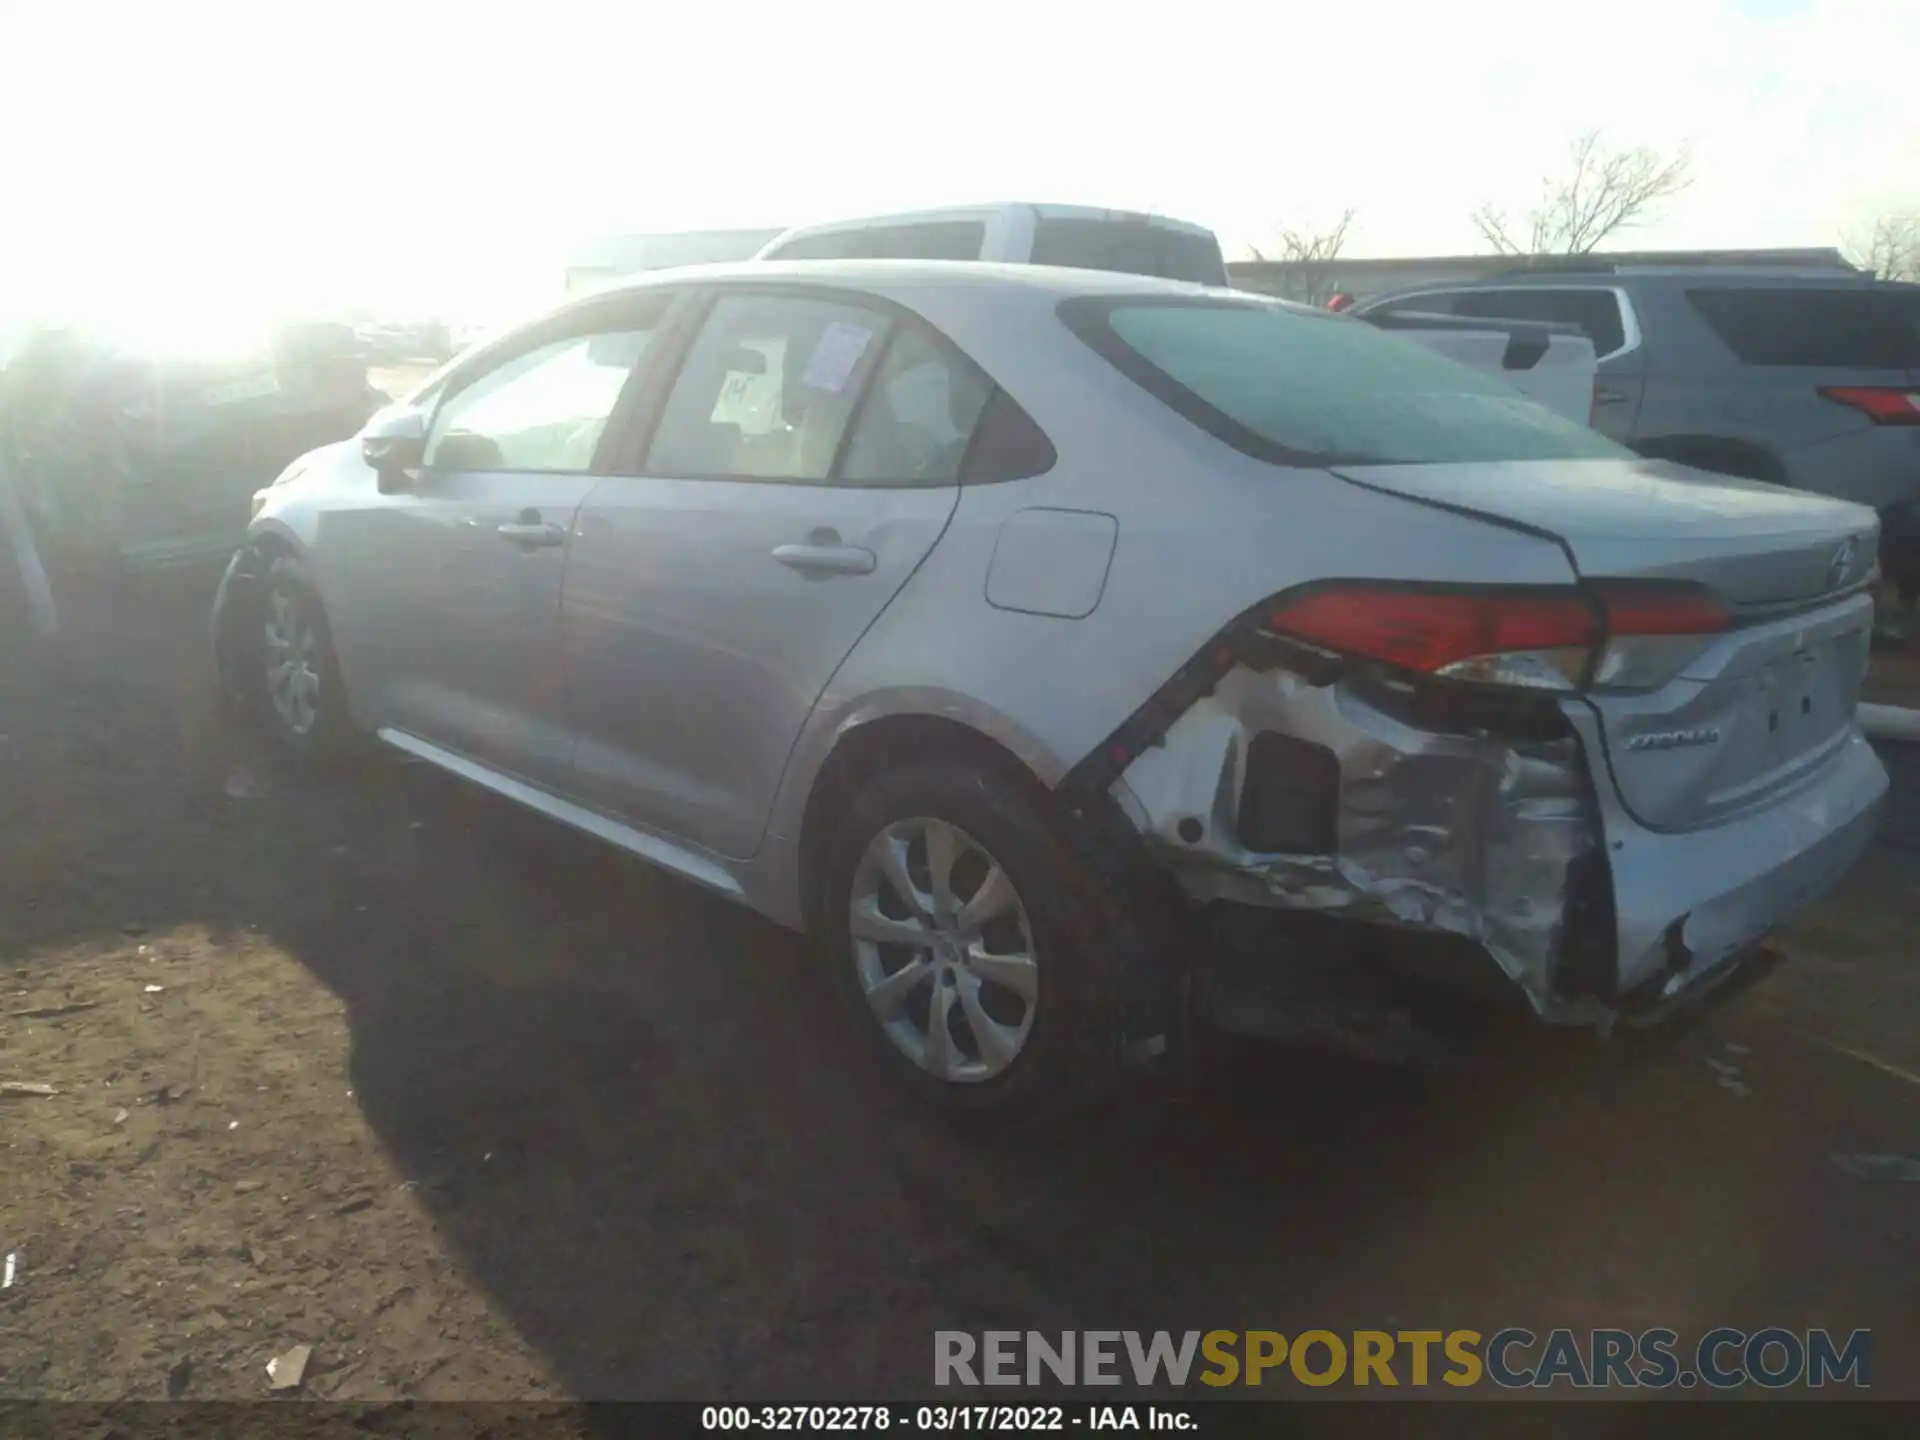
x: 1171, y: 535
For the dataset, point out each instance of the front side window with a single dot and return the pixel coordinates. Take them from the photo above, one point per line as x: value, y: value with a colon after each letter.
x: 767, y: 389
x: 543, y: 410
x: 1306, y: 387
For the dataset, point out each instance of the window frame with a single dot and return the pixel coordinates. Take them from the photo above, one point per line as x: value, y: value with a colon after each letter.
x: 644, y: 423
x: 581, y: 320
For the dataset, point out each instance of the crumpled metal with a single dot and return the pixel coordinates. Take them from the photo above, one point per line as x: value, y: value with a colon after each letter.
x: 1475, y: 835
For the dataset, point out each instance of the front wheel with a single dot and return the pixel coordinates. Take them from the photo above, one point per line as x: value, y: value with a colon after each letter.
x: 304, y: 699
x: 969, y: 942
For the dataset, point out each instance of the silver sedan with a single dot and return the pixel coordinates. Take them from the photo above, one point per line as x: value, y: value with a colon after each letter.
x: 1003, y: 627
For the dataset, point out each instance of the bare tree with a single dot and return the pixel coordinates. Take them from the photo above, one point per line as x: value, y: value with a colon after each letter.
x: 1891, y: 250
x: 1312, y: 254
x: 1607, y: 190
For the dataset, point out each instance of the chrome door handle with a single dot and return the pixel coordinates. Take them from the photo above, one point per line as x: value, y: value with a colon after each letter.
x: 826, y: 559
x: 1603, y: 396
x: 530, y: 535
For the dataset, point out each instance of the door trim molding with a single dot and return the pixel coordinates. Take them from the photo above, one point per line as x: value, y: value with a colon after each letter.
x: 688, y: 864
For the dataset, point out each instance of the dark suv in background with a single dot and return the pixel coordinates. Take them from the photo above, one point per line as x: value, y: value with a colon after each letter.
x: 1804, y: 378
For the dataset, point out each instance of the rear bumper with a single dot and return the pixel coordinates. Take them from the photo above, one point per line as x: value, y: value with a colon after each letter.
x: 1687, y: 903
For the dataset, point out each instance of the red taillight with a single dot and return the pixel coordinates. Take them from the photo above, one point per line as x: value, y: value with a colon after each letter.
x: 1625, y: 634
x: 1662, y: 610
x: 1885, y: 406
x: 1434, y: 630
x: 1340, y: 302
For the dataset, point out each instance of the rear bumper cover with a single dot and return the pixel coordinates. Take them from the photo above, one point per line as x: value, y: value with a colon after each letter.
x: 1687, y: 902
x: 1523, y: 848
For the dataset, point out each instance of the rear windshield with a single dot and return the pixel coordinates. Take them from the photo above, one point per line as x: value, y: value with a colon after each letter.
x: 1863, y: 328
x: 1129, y: 247
x: 1305, y: 387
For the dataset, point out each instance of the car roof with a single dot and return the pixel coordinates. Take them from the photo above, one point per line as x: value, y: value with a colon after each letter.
x: 982, y: 210
x: 903, y: 277
x: 1726, y: 275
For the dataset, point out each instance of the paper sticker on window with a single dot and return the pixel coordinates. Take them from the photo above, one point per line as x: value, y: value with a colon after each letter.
x: 833, y: 360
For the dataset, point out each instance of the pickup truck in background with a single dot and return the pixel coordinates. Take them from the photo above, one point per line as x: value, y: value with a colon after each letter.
x: 1552, y: 365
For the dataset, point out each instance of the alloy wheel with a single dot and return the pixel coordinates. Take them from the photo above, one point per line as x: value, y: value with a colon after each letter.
x: 292, y: 662
x: 943, y: 950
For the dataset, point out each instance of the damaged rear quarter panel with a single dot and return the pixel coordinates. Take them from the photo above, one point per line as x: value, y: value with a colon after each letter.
x: 1469, y: 833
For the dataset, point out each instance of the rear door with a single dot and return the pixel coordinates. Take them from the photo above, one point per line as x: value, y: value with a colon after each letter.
x: 804, y: 461
x: 1606, y: 317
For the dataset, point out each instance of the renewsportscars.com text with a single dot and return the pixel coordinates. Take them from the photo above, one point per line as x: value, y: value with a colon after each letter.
x: 1513, y: 1358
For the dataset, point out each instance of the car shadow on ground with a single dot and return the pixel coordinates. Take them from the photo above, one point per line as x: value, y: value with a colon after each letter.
x: 639, y: 1124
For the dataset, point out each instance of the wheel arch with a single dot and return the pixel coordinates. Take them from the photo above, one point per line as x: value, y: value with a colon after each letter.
x: 865, y: 748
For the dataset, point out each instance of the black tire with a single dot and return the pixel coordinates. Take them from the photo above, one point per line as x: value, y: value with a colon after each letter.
x: 331, y: 735
x: 1072, y: 1053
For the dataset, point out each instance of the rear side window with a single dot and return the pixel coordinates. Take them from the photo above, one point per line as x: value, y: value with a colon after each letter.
x: 929, y: 240
x: 1129, y: 247
x: 917, y: 418
x: 1596, y: 313
x: 767, y: 389
x: 1419, y: 305
x: 1305, y: 387
x: 934, y: 240
x: 834, y: 245
x: 1007, y: 444
x: 1841, y: 329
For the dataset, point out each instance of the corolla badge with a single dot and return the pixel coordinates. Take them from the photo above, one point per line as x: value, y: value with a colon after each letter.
x: 1841, y: 566
x: 1675, y: 739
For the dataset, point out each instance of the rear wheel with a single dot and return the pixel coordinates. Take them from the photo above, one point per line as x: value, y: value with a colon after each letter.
x: 968, y: 943
x: 304, y: 702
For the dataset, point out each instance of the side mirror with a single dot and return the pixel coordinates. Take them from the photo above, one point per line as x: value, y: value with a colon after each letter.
x: 393, y: 442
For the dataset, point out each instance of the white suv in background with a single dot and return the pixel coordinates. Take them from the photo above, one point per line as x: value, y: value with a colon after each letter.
x: 1018, y: 234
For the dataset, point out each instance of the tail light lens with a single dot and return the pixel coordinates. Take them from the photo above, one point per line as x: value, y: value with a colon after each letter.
x: 1539, y: 640
x: 1884, y: 406
x: 1622, y: 636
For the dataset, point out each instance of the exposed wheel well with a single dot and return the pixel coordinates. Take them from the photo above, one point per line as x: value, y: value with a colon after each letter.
x: 1719, y: 454
x: 867, y: 750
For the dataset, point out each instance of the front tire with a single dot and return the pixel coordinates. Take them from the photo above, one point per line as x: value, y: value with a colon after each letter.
x: 302, y: 699
x: 969, y: 943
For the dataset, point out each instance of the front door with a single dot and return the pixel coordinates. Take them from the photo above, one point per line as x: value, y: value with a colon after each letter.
x: 470, y: 561
x: 710, y: 599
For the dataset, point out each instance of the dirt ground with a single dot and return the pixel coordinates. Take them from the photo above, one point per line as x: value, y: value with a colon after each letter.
x: 479, y: 1109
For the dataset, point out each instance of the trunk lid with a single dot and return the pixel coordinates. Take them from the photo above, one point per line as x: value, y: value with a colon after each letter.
x: 1757, y: 707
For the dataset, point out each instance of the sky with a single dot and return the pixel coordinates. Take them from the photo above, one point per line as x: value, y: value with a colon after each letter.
x: 188, y: 164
